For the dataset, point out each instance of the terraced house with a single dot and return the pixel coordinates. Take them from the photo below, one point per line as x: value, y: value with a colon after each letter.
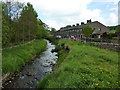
x: 76, y: 30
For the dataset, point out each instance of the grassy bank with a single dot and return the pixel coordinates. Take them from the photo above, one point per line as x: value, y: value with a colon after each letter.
x: 14, y: 58
x: 84, y: 66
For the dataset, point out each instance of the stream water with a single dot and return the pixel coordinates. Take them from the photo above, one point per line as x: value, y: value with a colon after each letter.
x: 33, y: 73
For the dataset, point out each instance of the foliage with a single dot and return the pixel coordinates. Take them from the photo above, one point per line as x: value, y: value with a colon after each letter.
x: 118, y: 31
x: 112, y: 31
x: 14, y: 58
x: 87, y: 31
x: 5, y: 26
x: 53, y: 30
x: 41, y: 32
x: 20, y: 24
x: 110, y: 35
x: 113, y: 27
x: 84, y: 66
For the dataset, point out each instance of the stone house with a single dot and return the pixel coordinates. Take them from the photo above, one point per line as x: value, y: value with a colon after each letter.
x: 76, y: 30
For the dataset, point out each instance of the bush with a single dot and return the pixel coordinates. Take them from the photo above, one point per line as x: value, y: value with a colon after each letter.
x: 97, y: 40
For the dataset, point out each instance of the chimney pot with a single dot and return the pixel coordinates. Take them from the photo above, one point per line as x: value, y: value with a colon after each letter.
x: 89, y: 21
x: 77, y: 24
x: 82, y: 23
x: 73, y: 25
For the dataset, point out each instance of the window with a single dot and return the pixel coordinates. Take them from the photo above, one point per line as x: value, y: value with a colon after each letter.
x: 99, y: 29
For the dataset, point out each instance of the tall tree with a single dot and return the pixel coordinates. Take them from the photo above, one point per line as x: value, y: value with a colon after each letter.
x: 41, y: 30
x: 87, y: 31
x: 20, y: 23
x: 6, y: 32
x: 28, y: 22
x: 53, y: 30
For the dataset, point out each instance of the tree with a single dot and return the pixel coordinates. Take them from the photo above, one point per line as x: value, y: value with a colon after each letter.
x: 42, y: 32
x: 87, y: 31
x: 6, y: 31
x: 53, y: 30
x: 28, y: 22
x: 20, y: 23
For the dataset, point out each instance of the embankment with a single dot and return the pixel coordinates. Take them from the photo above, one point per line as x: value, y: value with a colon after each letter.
x: 84, y: 66
x: 14, y: 58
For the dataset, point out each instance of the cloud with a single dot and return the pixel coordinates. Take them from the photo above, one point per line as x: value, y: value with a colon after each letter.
x: 119, y: 13
x: 54, y: 23
x: 114, y: 9
x: 112, y: 19
x: 58, y: 13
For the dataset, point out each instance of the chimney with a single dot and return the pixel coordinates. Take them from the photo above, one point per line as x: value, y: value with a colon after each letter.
x: 82, y: 23
x: 77, y: 24
x: 73, y: 25
x: 89, y: 21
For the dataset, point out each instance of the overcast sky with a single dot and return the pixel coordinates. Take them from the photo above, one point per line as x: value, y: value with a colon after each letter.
x: 59, y: 13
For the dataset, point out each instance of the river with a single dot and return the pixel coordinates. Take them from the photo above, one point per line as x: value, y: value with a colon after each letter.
x: 32, y: 73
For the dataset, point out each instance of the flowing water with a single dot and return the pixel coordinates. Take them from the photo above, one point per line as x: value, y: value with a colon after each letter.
x: 33, y: 73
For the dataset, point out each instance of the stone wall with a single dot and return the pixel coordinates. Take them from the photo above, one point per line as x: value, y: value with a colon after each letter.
x: 109, y: 46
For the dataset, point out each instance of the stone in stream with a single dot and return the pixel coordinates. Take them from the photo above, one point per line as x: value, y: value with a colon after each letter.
x: 45, y: 65
x: 22, y: 77
x: 29, y: 83
x: 10, y: 81
x: 48, y: 71
x: 36, y: 78
x: 53, y: 62
x: 49, y: 62
x: 29, y: 74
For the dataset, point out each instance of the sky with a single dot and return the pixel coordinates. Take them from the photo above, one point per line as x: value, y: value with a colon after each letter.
x: 59, y: 13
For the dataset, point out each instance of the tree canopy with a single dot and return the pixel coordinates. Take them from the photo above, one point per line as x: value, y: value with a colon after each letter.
x: 87, y: 31
x: 20, y: 23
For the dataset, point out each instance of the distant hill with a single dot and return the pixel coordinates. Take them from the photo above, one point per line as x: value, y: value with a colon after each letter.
x: 113, y: 27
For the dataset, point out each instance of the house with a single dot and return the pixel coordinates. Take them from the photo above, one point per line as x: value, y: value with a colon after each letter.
x: 76, y: 30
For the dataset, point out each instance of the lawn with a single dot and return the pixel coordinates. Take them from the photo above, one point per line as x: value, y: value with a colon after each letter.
x: 14, y: 58
x: 84, y: 66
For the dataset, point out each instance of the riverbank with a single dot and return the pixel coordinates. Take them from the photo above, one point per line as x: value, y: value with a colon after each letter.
x: 35, y: 70
x: 84, y: 66
x: 14, y: 58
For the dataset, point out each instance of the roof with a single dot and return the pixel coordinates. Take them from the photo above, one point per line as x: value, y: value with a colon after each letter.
x: 94, y: 24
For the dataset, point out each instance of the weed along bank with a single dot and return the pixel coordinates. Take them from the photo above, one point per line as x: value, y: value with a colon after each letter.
x: 84, y: 66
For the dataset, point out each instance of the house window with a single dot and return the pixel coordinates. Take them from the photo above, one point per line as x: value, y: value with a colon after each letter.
x: 99, y: 29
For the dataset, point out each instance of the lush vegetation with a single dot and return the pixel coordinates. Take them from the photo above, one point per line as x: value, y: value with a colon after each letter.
x: 84, y: 66
x: 20, y: 24
x: 113, y: 27
x: 87, y: 31
x: 14, y: 58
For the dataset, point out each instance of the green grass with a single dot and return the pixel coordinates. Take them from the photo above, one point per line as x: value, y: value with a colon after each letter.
x: 14, y: 58
x: 112, y: 31
x: 84, y: 66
